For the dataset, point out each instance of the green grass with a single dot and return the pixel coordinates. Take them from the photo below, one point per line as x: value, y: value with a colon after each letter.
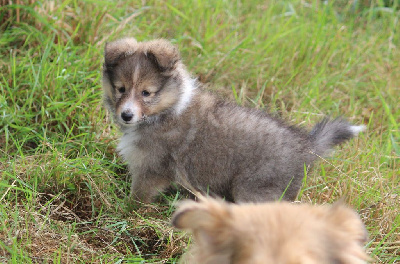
x: 63, y: 187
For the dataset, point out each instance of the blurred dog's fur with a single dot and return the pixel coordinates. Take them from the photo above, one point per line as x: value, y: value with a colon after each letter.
x: 174, y: 131
x: 276, y: 233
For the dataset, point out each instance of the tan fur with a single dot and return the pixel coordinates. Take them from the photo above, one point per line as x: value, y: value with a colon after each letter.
x: 168, y: 100
x: 278, y: 233
x: 107, y: 87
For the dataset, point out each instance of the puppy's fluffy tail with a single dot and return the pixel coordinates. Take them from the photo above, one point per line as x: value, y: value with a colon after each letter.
x: 329, y: 133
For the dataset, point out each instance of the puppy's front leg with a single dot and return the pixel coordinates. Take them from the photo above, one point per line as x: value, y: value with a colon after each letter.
x: 145, y: 187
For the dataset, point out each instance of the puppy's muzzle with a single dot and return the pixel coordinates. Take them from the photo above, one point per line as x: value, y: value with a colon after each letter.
x: 127, y: 116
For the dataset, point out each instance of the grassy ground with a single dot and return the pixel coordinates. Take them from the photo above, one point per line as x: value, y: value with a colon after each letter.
x: 62, y: 186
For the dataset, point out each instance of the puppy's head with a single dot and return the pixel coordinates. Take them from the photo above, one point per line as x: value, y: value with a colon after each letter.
x: 141, y: 79
x: 279, y: 233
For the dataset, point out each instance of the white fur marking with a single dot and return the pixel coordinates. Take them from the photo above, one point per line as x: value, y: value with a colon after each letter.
x: 188, y: 86
x: 136, y: 74
x: 127, y: 147
x: 357, y: 129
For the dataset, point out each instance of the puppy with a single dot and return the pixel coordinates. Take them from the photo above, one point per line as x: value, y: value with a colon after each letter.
x: 279, y: 233
x: 174, y: 131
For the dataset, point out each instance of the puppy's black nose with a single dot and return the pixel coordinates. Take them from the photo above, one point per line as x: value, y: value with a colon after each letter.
x: 126, y: 116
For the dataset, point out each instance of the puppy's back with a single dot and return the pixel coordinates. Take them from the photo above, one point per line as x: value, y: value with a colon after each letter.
x: 245, y: 148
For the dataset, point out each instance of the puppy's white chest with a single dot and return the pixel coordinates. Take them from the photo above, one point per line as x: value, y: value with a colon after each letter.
x: 128, y: 149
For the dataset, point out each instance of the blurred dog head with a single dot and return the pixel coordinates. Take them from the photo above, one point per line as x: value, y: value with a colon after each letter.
x: 142, y: 80
x: 278, y: 233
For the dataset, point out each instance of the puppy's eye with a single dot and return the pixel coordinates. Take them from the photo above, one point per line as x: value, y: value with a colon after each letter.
x: 121, y: 90
x: 145, y: 93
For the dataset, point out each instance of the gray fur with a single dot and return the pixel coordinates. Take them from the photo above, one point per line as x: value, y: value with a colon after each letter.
x: 243, y: 154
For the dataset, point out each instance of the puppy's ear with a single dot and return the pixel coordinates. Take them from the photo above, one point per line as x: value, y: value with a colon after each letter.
x: 164, y: 54
x: 353, y: 233
x: 114, y: 51
x: 347, y: 220
x: 209, y: 220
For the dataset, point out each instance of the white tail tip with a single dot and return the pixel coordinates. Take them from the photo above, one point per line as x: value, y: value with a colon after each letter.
x: 357, y: 129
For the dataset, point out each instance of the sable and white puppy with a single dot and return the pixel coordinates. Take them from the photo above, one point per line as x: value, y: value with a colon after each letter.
x: 173, y: 131
x: 278, y: 233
